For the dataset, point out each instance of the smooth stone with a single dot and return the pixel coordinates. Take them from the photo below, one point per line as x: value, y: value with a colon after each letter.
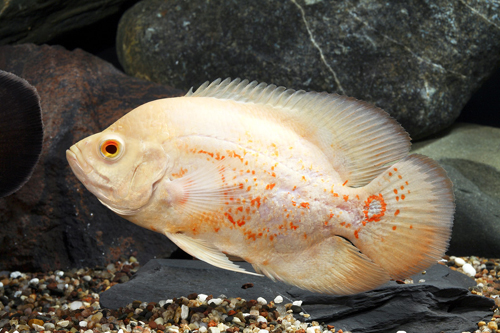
x: 441, y: 303
x: 469, y: 270
x: 469, y: 154
x: 420, y: 62
x: 459, y: 262
x: 64, y: 225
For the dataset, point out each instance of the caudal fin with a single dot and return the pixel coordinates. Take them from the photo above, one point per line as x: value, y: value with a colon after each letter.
x: 21, y: 132
x: 408, y: 216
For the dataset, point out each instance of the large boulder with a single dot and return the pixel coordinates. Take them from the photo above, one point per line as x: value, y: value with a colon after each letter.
x: 441, y: 303
x: 53, y: 222
x: 419, y: 61
x: 470, y: 155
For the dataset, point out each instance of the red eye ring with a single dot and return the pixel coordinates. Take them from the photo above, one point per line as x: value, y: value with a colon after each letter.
x: 111, y: 148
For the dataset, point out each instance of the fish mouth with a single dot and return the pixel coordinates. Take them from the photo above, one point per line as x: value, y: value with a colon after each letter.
x: 78, y: 164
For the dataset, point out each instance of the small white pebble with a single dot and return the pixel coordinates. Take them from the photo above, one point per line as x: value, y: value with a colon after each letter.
x: 63, y: 323
x: 263, y: 331
x: 49, y: 326
x: 120, y: 331
x: 1, y: 285
x: 480, y: 285
x: 60, y: 273
x: 278, y: 300
x: 83, y: 323
x: 261, y: 319
x: 216, y: 301
x: 75, y: 305
x: 214, y: 330
x: 254, y: 312
x: 261, y: 301
x: 298, y: 303
x: 469, y: 270
x: 15, y: 275
x: 202, y: 329
x: 184, y: 311
x: 202, y: 297
x: 87, y: 278
x: 18, y: 293
x: 459, y: 262
x: 236, y: 320
x: 421, y: 281
x: 89, y: 331
x: 401, y: 332
x: 34, y: 281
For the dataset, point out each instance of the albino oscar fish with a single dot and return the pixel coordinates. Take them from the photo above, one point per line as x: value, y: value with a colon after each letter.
x: 313, y: 189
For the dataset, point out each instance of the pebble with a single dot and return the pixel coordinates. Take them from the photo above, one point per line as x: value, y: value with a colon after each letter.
x: 75, y: 305
x: 278, y: 300
x: 469, y: 270
x: 459, y: 262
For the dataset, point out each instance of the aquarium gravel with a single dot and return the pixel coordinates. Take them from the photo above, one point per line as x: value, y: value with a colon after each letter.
x: 69, y: 302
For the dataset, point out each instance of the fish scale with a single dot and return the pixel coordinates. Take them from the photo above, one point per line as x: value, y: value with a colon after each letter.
x: 313, y: 189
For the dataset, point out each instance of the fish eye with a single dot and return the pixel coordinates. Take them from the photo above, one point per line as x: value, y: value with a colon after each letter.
x: 111, y: 148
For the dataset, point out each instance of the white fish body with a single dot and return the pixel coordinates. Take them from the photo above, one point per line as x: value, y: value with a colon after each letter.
x: 316, y: 190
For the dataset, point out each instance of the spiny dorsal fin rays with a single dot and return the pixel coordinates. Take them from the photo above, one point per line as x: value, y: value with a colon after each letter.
x: 367, y: 138
x: 206, y: 252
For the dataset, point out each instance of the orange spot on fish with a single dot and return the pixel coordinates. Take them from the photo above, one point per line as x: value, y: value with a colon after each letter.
x: 305, y: 236
x: 356, y: 232
x: 394, y: 227
x: 241, y: 186
x: 181, y: 173
x: 253, y: 172
x: 346, y: 197
x: 390, y: 174
x: 395, y: 169
x: 400, y: 177
x: 230, y: 218
x: 294, y: 188
x: 374, y: 217
x: 304, y: 178
x: 397, y: 198
x: 305, y: 204
x: 293, y: 203
x: 273, y: 174
x: 216, y: 229
x: 342, y: 223
x: 402, y: 196
x: 357, y: 196
x: 396, y: 212
x: 152, y: 228
x: 345, y: 182
x: 406, y: 183
x: 246, y: 162
x: 335, y: 195
x: 270, y: 186
x: 256, y: 200
x: 402, y: 187
x: 240, y: 208
x: 271, y: 237
x: 411, y: 226
x: 248, y: 188
x: 294, y: 227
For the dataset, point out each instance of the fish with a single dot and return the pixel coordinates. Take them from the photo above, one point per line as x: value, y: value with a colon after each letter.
x: 316, y: 190
x: 21, y: 132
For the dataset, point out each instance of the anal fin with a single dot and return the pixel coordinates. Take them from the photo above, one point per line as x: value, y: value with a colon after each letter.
x: 332, y: 266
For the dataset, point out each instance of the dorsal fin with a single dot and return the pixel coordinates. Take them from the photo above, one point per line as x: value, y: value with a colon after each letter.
x: 359, y: 140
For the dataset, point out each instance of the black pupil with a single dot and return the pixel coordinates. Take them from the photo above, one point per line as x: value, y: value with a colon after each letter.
x: 111, y: 149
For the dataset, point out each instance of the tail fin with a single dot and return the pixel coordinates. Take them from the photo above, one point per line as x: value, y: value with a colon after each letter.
x: 21, y: 132
x: 408, y: 216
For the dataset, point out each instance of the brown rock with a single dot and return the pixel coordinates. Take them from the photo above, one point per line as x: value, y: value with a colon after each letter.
x: 53, y: 222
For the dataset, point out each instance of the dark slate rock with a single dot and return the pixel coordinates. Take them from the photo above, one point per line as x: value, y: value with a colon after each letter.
x: 419, y: 61
x: 34, y: 21
x: 440, y: 304
x: 469, y: 154
x: 53, y: 222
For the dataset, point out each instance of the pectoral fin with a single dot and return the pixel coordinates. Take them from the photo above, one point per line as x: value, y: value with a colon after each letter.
x: 206, y: 252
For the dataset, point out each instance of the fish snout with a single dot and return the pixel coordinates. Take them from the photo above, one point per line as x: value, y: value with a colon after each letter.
x: 77, y: 162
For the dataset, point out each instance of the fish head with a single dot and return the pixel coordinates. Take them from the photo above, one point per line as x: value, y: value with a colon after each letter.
x: 122, y: 170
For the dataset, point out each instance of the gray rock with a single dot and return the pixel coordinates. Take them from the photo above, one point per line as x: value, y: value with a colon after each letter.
x: 440, y: 304
x: 33, y: 21
x: 53, y: 222
x: 470, y: 154
x: 420, y: 61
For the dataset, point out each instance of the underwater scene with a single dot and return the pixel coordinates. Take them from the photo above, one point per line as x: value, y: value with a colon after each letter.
x: 267, y: 166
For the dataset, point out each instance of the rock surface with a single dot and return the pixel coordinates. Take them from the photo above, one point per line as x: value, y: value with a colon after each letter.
x: 53, y: 222
x: 33, y: 21
x: 419, y: 61
x: 441, y: 303
x: 470, y: 154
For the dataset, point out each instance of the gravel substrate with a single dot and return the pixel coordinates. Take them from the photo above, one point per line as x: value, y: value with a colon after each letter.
x: 69, y: 301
